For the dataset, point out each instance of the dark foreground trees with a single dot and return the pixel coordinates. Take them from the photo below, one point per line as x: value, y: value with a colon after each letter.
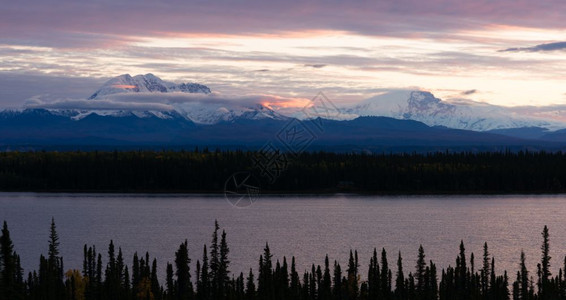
x: 275, y: 279
x: 207, y: 171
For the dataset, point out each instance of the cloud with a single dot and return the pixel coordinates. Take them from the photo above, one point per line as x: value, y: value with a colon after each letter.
x: 539, y: 48
x: 79, y: 104
x: 16, y: 88
x: 549, y: 112
x: 166, y: 102
x: 316, y: 66
x: 71, y: 24
x: 469, y: 92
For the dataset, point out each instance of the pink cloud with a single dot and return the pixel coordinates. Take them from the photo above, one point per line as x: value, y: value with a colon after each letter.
x: 70, y: 21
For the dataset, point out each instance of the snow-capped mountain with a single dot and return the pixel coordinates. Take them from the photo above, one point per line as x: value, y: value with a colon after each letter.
x: 200, y: 111
x: 145, y: 110
x: 212, y: 113
x: 425, y: 107
x: 147, y: 83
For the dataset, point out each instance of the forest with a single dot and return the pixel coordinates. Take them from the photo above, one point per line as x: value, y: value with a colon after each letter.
x: 204, y: 170
x: 110, y: 277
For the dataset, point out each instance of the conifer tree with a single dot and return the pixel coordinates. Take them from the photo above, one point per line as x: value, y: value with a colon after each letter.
x: 265, y: 280
x: 412, y: 288
x: 400, y: 289
x: 461, y: 274
x: 295, y: 285
x: 420, y: 273
x: 337, y: 282
x: 170, y: 282
x: 11, y: 273
x: 184, y: 288
x: 352, y: 272
x: 214, y: 261
x: 204, y: 287
x: 492, y: 282
x: 545, y: 286
x: 373, y: 277
x: 312, y: 283
x: 326, y: 289
x: 385, y: 278
x: 523, y: 278
x: 155, y: 287
x: 318, y: 281
x: 250, y: 286
x: 51, y: 281
x: 305, y: 290
x: 113, y: 273
x: 283, y: 280
x: 433, y: 282
x: 222, y: 274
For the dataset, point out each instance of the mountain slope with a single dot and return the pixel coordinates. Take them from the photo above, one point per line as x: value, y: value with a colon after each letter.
x: 43, y: 128
x: 424, y: 107
x: 147, y: 83
x: 199, y: 109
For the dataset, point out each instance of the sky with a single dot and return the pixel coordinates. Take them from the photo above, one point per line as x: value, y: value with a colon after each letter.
x: 503, y: 52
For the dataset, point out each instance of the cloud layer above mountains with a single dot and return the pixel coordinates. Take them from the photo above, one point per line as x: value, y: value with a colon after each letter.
x: 294, y: 49
x: 167, y: 102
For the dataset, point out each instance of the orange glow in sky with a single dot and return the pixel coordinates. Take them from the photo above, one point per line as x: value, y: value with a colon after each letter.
x: 124, y: 86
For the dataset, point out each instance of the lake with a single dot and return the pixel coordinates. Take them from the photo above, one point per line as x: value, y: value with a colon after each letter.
x: 307, y: 227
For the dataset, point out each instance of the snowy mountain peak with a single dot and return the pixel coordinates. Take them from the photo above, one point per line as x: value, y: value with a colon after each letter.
x: 196, y: 110
x: 424, y: 107
x: 147, y: 83
x: 212, y: 113
x: 423, y: 98
x: 423, y: 104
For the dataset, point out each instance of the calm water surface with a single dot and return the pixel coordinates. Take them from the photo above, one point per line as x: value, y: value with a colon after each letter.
x: 307, y: 227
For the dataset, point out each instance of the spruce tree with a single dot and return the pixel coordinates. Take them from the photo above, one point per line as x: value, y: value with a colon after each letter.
x: 250, y: 286
x: 385, y: 278
x: 523, y: 278
x: 337, y: 281
x: 184, y: 288
x: 11, y: 281
x: 295, y: 285
x: 222, y: 273
x: 400, y: 289
x: 51, y: 281
x: 326, y: 289
x: 373, y: 277
x: 420, y: 273
x: 461, y: 274
x: 312, y: 283
x: 545, y: 265
x: 265, y: 280
x: 283, y: 280
x: 155, y: 287
x: 170, y: 282
x: 485, y: 273
x: 433, y: 281
x: 204, y: 282
x: 214, y: 262
x: 352, y: 272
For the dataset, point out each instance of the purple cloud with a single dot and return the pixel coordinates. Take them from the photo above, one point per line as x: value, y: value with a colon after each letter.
x: 539, y: 48
x: 105, y: 22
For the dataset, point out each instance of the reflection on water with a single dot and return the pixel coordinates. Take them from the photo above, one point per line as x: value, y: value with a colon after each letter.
x: 307, y: 227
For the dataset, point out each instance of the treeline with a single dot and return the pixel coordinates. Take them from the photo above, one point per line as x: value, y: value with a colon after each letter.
x: 207, y: 171
x: 273, y: 280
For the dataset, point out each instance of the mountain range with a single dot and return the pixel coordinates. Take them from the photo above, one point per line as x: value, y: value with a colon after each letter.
x: 122, y: 113
x: 425, y: 107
